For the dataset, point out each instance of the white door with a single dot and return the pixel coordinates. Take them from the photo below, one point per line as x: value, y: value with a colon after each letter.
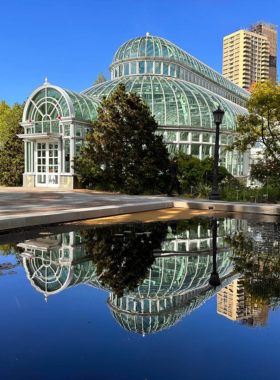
x: 47, y: 164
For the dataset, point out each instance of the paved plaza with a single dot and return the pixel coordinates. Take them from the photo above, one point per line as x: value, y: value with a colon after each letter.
x: 21, y: 207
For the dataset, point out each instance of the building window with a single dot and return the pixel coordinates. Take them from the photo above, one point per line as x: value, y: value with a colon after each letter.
x: 133, y: 68
x: 184, y: 136
x: 141, y: 67
x: 67, y: 156
x: 165, y: 68
x: 150, y: 67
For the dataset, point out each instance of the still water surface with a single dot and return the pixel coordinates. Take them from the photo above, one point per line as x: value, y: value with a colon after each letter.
x: 133, y: 301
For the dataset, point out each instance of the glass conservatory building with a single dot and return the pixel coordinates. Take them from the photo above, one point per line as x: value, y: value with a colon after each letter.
x: 181, y: 92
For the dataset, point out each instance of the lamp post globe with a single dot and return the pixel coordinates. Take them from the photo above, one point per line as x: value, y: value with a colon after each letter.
x: 218, y: 119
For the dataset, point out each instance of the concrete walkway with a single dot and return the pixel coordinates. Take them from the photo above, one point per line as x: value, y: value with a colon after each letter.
x: 21, y: 207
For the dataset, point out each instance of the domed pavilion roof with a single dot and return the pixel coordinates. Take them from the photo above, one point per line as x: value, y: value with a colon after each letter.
x: 173, y: 102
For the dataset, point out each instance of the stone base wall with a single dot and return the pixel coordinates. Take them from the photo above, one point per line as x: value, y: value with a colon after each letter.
x: 68, y: 182
x: 29, y: 180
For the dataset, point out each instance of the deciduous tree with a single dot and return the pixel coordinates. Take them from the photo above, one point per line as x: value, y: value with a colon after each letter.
x: 262, y: 122
x: 12, y: 151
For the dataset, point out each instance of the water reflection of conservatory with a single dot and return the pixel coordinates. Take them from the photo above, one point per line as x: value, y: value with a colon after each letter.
x: 177, y: 283
x: 180, y: 90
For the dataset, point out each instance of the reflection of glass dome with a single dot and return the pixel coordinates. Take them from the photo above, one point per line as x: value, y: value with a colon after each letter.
x: 177, y: 274
x: 161, y: 317
x: 173, y: 101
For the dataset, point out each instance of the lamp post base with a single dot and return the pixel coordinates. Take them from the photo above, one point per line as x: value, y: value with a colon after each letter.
x: 214, y: 197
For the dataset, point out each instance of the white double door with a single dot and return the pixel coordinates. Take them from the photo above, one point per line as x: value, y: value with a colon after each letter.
x: 47, y: 163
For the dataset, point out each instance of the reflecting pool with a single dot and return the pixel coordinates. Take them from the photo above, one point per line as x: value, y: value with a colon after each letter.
x: 185, y: 299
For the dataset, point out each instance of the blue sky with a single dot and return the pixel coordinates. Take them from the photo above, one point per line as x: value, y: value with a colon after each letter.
x: 72, y: 41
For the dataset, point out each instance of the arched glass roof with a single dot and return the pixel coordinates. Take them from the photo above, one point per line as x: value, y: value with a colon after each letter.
x: 154, y: 47
x: 50, y: 102
x: 174, y: 102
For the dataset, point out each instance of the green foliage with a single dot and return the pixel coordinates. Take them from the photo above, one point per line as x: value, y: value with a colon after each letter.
x: 100, y: 79
x: 263, y: 170
x: 12, y: 151
x: 122, y: 153
x: 260, y: 273
x: 123, y: 254
x: 262, y: 122
x: 199, y: 174
x: 5, y: 116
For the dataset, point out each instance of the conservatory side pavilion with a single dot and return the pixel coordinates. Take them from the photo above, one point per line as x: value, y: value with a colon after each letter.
x: 181, y: 91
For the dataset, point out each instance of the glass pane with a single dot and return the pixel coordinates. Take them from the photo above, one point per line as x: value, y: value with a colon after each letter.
x: 126, y: 69
x: 38, y: 127
x: 195, y: 150
x: 195, y: 136
x: 141, y: 67
x: 223, y: 139
x: 53, y: 179
x: 79, y: 130
x: 133, y: 68
x: 157, y: 68
x: 205, y: 151
x: 165, y: 69
x: 150, y: 67
x: 184, y: 136
x: 67, y: 156
x: 171, y: 136
x: 206, y: 137
x: 172, y: 70
x: 78, y: 145
x: 55, y: 127
x: 66, y: 130
x: 184, y: 148
x: 41, y: 179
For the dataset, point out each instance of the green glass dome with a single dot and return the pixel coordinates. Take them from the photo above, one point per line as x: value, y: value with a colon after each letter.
x: 151, y: 47
x: 174, y: 102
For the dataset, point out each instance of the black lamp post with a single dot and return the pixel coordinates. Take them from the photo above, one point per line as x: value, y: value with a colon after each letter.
x: 214, y: 279
x: 218, y: 118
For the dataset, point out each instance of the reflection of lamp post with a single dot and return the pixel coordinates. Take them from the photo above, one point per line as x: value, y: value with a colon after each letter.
x: 214, y: 279
x: 218, y: 118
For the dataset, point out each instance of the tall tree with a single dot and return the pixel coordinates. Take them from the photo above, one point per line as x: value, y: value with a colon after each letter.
x: 12, y: 151
x: 100, y: 79
x: 262, y: 122
x: 5, y: 117
x: 122, y: 152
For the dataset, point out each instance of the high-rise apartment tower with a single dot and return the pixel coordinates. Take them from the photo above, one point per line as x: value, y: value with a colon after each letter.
x: 250, y: 55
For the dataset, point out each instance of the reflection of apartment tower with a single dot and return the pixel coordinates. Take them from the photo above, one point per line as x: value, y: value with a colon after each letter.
x: 246, y: 55
x: 232, y: 303
x: 269, y: 30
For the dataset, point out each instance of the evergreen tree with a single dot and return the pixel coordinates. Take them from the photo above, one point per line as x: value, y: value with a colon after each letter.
x: 122, y: 152
x: 12, y: 151
x: 100, y: 79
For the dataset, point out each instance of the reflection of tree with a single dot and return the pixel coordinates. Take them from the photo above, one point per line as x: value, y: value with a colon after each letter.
x: 259, y: 265
x: 8, y: 250
x: 123, y: 254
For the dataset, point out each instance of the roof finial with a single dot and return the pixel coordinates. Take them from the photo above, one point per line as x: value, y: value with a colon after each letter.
x: 46, y: 80
x: 147, y: 34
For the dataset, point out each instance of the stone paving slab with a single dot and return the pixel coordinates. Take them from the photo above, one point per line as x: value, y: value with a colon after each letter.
x: 21, y: 207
